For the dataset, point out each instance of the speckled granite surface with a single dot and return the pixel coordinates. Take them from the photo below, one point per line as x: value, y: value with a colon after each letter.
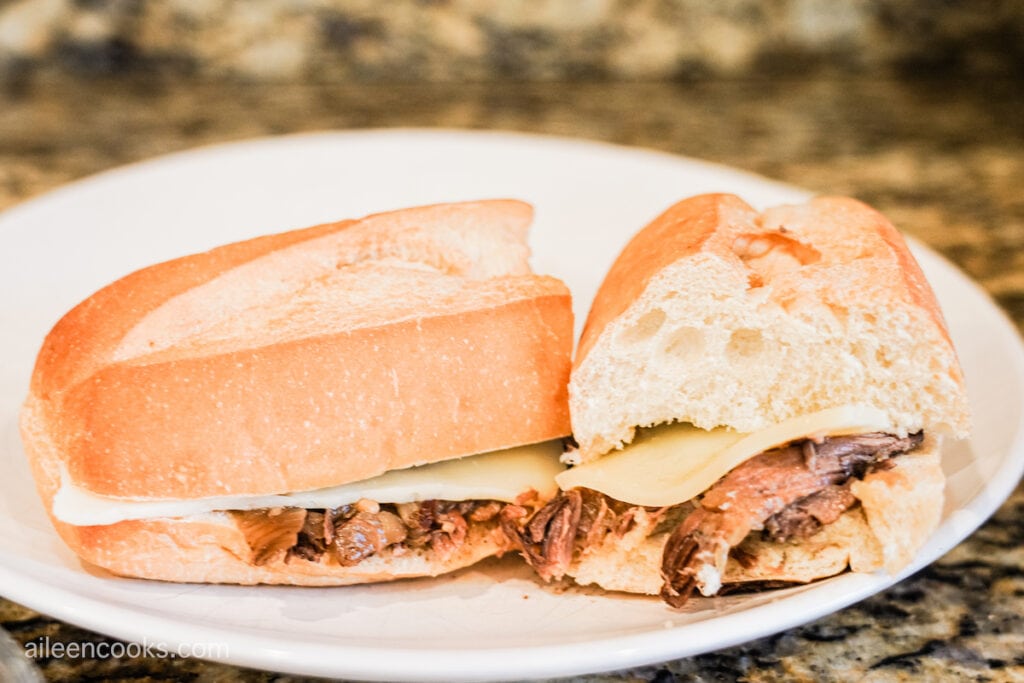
x: 450, y: 40
x: 945, y: 159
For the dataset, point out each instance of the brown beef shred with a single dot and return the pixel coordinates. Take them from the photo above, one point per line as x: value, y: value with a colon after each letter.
x: 787, y: 493
x: 352, y: 533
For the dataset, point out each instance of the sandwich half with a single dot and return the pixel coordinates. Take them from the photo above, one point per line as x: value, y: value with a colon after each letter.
x: 352, y: 402
x: 758, y: 399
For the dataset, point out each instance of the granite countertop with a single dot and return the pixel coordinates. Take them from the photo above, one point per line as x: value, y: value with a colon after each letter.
x: 944, y: 159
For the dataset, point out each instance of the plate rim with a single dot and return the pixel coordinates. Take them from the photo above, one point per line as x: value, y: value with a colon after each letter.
x: 218, y: 148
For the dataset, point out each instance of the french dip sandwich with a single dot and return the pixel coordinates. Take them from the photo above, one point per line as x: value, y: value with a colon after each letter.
x: 358, y: 401
x: 758, y: 399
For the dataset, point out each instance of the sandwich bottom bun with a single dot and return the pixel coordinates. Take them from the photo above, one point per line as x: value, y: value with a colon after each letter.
x: 211, y: 549
x: 899, y: 509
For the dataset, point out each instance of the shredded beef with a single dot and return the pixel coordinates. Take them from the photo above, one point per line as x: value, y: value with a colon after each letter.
x: 595, y: 517
x: 790, y: 493
x: 572, y: 520
x: 545, y: 540
x: 351, y: 533
x: 807, y: 516
x: 311, y: 543
x: 557, y: 536
x: 451, y: 531
x: 419, y: 519
x: 485, y: 512
x: 270, y: 530
x: 365, y: 534
x: 761, y: 488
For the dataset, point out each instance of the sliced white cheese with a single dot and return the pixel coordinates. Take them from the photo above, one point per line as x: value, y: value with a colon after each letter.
x: 670, y: 464
x: 498, y: 475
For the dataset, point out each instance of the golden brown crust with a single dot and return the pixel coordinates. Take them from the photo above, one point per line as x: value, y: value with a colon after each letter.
x: 81, y: 341
x: 320, y: 412
x: 856, y: 215
x: 682, y: 230
x: 709, y: 223
x: 844, y: 210
x: 483, y: 368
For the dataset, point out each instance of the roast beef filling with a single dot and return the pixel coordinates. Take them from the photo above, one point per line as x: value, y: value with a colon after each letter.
x: 787, y: 493
x: 573, y: 520
x: 351, y: 533
x: 270, y: 531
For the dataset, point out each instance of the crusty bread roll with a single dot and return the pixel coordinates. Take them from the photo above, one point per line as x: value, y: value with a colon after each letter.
x: 718, y: 315
x: 298, y: 361
x: 723, y: 317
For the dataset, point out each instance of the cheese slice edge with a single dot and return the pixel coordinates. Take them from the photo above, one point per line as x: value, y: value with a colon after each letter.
x: 498, y: 475
x: 673, y: 463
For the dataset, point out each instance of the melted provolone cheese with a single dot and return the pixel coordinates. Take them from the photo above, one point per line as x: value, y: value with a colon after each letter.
x: 673, y: 463
x: 498, y: 475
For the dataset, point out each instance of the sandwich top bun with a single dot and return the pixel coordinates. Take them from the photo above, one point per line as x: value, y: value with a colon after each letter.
x: 307, y: 359
x: 718, y: 315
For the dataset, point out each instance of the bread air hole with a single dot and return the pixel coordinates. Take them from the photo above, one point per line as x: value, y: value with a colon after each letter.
x: 686, y: 344
x: 644, y: 328
x: 744, y: 344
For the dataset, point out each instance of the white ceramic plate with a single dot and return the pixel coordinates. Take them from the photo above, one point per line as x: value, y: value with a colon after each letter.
x: 477, y: 624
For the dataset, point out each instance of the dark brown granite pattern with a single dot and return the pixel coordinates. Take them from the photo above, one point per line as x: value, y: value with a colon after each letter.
x: 443, y: 40
x: 944, y: 159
